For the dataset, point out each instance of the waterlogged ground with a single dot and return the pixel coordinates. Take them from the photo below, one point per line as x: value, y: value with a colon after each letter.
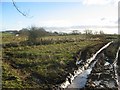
x: 80, y: 80
x: 80, y: 76
x: 101, y: 73
x: 49, y: 64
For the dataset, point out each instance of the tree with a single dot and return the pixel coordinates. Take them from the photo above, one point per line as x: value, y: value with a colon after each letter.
x: 101, y: 32
x: 34, y: 33
x: 56, y: 33
x: 88, y: 32
x: 96, y: 32
x: 75, y: 32
x: 24, y: 32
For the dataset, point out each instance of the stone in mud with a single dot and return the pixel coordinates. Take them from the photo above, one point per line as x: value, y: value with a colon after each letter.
x: 94, y: 76
x: 106, y: 77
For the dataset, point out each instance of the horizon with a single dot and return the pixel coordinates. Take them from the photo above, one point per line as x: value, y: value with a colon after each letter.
x: 70, y: 29
x: 62, y: 14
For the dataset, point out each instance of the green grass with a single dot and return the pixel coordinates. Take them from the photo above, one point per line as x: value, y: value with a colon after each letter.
x: 49, y: 63
x: 11, y: 38
x: 46, y: 60
x: 7, y: 73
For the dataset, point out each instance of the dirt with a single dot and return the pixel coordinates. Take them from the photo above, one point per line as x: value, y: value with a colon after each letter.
x: 103, y: 75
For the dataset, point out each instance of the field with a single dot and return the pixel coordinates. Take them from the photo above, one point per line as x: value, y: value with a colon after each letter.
x: 45, y: 64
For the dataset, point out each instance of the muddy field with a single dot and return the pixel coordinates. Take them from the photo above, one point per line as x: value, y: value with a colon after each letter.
x: 97, y: 72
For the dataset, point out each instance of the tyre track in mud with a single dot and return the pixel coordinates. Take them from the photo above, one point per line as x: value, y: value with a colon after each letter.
x: 83, y: 65
x: 84, y: 74
x: 104, y: 75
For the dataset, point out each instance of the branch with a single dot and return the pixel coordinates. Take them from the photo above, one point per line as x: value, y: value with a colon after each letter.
x: 16, y: 7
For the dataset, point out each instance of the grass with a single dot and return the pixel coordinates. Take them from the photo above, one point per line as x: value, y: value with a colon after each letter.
x: 10, y: 77
x: 12, y: 38
x: 41, y: 65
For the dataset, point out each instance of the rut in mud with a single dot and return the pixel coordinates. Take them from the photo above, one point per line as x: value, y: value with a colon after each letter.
x: 98, y: 72
x: 104, y: 75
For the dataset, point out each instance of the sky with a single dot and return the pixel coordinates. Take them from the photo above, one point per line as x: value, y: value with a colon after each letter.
x: 64, y: 16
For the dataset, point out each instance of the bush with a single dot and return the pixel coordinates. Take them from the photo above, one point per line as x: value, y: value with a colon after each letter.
x: 34, y: 33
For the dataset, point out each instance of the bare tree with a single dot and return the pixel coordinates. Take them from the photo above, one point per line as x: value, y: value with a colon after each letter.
x: 96, y: 32
x: 35, y: 32
x: 75, y: 32
x: 101, y: 32
x: 88, y: 32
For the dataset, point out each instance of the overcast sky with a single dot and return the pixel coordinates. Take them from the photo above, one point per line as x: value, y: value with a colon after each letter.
x: 60, y: 14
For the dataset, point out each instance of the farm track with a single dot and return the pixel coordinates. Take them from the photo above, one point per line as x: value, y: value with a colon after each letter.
x: 100, y: 74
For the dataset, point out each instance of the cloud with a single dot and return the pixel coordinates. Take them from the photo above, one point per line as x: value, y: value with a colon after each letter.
x: 102, y: 19
x: 109, y: 21
x: 114, y: 21
x: 54, y: 23
x: 100, y: 2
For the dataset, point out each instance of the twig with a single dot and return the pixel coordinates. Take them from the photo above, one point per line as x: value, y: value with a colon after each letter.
x: 18, y: 9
